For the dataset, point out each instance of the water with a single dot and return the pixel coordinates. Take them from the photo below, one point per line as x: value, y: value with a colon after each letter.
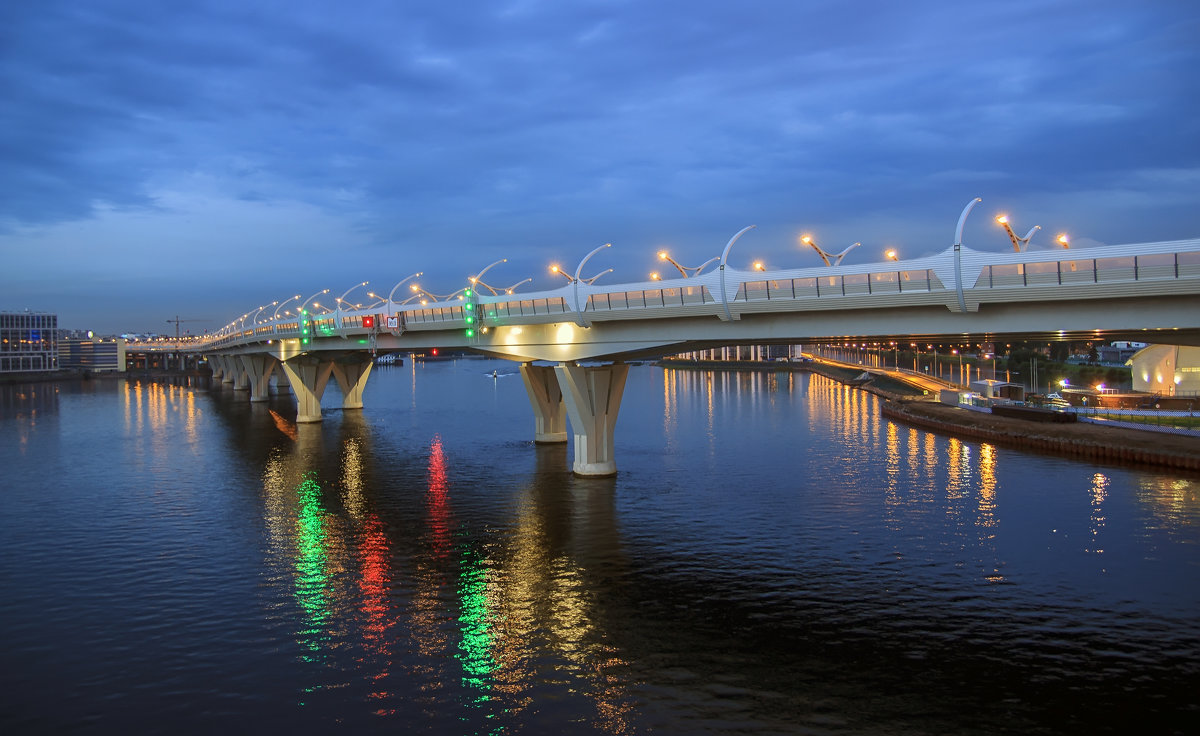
x: 773, y: 557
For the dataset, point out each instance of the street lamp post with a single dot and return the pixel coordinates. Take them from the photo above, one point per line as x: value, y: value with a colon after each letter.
x: 582, y: 321
x: 686, y: 271
x: 1019, y: 244
x: 808, y: 240
x: 275, y: 316
x: 724, y: 263
x: 392, y: 293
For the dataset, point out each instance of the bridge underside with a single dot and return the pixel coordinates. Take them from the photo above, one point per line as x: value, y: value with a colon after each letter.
x: 1140, y: 320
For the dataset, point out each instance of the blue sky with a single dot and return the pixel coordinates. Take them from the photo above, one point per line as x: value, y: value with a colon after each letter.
x: 199, y: 159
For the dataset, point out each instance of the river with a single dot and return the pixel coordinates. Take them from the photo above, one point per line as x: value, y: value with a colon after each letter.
x: 772, y: 557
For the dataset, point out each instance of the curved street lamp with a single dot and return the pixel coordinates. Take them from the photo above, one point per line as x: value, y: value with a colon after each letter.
x: 255, y: 313
x: 304, y: 304
x: 342, y: 298
x: 687, y: 271
x: 275, y: 316
x: 435, y: 297
x: 401, y: 282
x: 725, y: 262
x: 891, y: 254
x: 1019, y: 244
x: 962, y: 220
x: 807, y: 240
x: 582, y: 321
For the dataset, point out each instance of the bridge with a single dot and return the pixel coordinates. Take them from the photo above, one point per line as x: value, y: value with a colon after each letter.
x: 1148, y: 292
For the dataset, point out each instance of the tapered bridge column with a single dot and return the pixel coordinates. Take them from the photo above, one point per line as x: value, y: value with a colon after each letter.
x: 228, y: 370
x: 308, y: 377
x: 351, y: 375
x: 218, y: 367
x: 593, y: 397
x: 258, y: 370
x: 549, y: 412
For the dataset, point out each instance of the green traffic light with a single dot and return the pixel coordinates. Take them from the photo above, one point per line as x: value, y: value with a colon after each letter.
x: 470, y: 332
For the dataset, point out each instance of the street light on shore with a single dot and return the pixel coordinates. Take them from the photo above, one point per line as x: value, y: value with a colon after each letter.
x: 1063, y: 240
x: 891, y: 254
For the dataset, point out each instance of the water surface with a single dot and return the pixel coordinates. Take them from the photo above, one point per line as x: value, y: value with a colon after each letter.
x: 773, y: 557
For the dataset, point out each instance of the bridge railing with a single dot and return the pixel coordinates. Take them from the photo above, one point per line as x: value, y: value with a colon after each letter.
x: 1151, y: 266
x: 815, y: 287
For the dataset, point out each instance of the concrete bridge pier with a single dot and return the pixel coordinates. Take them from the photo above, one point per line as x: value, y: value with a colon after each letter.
x: 593, y: 397
x: 241, y: 378
x: 351, y: 375
x: 549, y: 412
x: 228, y: 369
x: 282, y: 388
x: 308, y: 377
x: 258, y: 369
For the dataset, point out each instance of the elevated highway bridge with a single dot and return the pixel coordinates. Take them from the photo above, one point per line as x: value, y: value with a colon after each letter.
x: 1147, y: 292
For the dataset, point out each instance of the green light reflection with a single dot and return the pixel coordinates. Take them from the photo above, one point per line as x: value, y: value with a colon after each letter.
x: 312, y: 577
x: 475, y: 649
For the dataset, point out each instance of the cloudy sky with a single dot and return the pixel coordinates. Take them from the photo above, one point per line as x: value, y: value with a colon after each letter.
x: 199, y: 159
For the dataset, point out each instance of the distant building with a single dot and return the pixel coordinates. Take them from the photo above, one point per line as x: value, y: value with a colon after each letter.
x: 1118, y: 352
x: 92, y: 353
x: 28, y: 342
x: 1170, y: 370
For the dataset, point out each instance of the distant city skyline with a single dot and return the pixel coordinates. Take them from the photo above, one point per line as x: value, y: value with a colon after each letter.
x: 198, y: 161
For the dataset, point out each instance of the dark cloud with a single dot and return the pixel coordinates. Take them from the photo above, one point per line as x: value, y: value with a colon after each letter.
x: 536, y: 126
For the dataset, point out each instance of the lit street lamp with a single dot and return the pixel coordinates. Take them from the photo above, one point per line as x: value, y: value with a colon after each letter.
x: 275, y: 316
x: 891, y: 255
x: 1019, y: 244
x: 808, y: 240
x: 687, y: 271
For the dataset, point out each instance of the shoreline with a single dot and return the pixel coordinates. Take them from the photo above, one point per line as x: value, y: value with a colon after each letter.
x: 1081, y: 441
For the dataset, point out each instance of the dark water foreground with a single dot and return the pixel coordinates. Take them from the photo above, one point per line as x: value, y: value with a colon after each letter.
x: 774, y: 557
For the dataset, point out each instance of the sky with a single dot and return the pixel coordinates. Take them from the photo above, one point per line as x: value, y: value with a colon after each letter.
x: 195, y: 160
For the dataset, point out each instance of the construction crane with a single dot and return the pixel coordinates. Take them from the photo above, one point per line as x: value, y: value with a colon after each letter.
x: 177, y: 321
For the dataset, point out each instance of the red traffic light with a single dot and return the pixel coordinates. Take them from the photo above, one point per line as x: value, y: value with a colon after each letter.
x: 369, y: 321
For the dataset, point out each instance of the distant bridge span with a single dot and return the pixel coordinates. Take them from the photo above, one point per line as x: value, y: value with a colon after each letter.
x: 1148, y: 292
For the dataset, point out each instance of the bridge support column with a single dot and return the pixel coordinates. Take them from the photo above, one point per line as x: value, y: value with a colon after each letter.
x: 228, y: 370
x: 549, y: 412
x: 258, y: 370
x: 241, y: 379
x: 218, y: 368
x: 282, y: 388
x: 308, y: 379
x: 351, y: 377
x: 593, y: 397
